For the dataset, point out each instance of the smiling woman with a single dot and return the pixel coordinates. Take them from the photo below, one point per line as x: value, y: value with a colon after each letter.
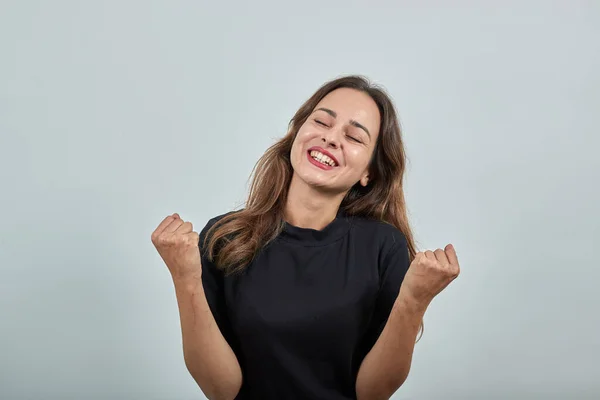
x: 313, y: 290
x: 333, y: 131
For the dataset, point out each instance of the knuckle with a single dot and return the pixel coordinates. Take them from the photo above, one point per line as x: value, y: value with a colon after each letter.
x: 166, y: 240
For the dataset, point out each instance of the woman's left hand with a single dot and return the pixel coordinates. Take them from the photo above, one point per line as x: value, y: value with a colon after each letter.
x: 429, y: 273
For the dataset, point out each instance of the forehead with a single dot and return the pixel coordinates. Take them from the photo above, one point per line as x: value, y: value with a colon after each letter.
x: 351, y: 104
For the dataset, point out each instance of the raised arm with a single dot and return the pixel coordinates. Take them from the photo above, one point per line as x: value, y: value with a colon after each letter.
x: 208, y: 356
x: 406, y: 293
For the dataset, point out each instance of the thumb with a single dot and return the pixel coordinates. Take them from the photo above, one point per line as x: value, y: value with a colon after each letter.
x: 451, y: 254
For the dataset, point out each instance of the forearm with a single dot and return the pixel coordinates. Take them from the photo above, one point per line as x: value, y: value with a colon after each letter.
x: 208, y: 357
x: 386, y: 366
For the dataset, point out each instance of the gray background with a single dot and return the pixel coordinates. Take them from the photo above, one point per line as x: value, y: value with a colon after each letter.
x: 114, y: 114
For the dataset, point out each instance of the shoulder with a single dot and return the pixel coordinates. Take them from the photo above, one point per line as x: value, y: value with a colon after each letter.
x: 206, y: 230
x: 386, y: 234
x: 391, y: 245
x: 215, y: 219
x: 208, y: 251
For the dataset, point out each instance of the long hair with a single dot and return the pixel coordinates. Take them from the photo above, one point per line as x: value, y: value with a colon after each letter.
x: 234, y: 241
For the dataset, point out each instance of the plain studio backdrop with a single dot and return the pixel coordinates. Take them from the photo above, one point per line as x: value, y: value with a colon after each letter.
x: 114, y: 114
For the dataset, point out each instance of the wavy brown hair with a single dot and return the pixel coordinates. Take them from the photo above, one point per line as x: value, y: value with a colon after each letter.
x: 236, y: 239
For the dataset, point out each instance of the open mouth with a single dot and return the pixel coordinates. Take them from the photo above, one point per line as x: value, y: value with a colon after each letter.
x: 321, y: 160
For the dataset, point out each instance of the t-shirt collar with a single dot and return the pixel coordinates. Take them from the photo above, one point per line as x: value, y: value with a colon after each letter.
x: 335, y: 230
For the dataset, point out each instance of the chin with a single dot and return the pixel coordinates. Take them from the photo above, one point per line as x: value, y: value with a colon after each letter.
x: 313, y: 179
x: 320, y: 183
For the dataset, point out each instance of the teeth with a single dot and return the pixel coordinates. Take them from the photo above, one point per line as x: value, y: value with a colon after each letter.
x: 322, y: 158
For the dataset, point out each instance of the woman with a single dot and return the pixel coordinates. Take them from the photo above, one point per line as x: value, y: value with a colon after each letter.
x: 314, y: 290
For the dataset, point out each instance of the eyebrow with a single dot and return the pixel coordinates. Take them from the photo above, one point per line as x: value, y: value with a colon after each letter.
x: 352, y: 122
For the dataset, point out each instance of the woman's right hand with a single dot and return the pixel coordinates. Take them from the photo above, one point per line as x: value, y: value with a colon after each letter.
x: 177, y: 244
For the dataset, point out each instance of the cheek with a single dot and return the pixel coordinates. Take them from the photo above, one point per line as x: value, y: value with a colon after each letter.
x: 296, y: 147
x: 296, y: 151
x: 357, y: 158
x: 302, y: 137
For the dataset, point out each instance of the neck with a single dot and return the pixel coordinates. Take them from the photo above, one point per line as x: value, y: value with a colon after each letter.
x: 307, y: 207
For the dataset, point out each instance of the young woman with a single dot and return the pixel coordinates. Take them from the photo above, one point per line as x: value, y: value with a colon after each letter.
x: 314, y: 290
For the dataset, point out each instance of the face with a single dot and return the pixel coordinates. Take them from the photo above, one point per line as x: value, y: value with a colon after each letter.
x: 333, y: 148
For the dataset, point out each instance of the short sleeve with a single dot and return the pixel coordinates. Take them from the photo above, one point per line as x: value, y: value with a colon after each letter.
x: 393, y: 268
x: 213, y: 282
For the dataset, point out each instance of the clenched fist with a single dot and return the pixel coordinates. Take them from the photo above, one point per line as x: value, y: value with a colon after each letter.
x: 429, y: 273
x: 177, y: 244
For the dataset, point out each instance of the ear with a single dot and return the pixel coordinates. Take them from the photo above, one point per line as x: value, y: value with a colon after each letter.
x: 364, y: 181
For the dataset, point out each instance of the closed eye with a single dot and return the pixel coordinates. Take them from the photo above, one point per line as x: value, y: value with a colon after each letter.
x: 354, y: 139
x: 320, y: 122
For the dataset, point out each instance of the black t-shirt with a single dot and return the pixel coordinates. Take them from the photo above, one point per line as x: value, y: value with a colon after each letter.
x: 305, y: 313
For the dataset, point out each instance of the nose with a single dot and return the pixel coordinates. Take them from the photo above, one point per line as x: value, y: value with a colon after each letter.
x: 330, y: 140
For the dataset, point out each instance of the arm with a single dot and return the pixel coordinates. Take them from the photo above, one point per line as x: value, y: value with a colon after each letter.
x: 208, y: 357
x: 200, y: 298
x: 386, y: 366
